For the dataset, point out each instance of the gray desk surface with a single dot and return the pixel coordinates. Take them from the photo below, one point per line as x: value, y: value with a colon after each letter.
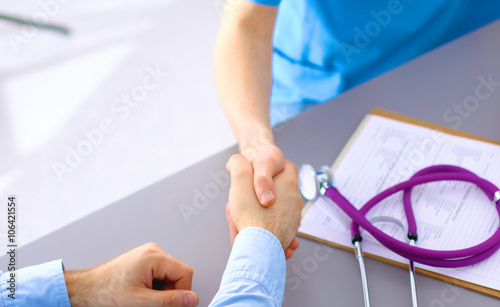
x: 425, y: 88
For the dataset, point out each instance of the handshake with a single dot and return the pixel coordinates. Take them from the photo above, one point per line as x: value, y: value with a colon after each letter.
x: 147, y: 276
x: 282, y: 218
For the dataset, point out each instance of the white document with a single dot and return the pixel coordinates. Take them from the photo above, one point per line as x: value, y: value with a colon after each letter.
x: 450, y: 215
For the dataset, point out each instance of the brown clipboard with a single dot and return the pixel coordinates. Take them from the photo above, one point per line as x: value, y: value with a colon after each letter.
x: 406, y: 119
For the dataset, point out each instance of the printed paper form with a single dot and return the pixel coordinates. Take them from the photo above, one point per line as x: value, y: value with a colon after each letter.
x: 450, y: 215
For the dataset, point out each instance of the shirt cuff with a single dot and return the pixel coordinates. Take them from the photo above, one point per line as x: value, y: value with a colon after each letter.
x: 257, y: 255
x: 38, y: 285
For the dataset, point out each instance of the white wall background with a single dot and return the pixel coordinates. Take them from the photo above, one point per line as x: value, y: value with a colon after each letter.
x: 53, y: 88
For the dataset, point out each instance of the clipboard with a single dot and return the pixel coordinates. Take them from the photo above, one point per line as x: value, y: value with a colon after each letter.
x: 402, y: 118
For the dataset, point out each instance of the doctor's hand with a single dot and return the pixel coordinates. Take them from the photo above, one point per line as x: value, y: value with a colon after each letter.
x: 244, y: 210
x: 267, y: 161
x: 144, y: 276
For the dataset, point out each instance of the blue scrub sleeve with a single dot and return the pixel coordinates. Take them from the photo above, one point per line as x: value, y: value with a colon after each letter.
x: 266, y: 2
x: 255, y: 273
x: 39, y: 285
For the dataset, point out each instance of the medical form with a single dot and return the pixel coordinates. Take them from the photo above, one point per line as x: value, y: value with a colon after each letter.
x: 450, y: 215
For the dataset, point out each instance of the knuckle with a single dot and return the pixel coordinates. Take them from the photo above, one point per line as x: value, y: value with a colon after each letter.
x: 151, y: 248
x: 189, y: 270
x: 168, y: 301
x: 293, y: 167
x: 237, y: 163
x: 261, y: 180
x: 270, y: 160
x: 241, y: 169
x: 275, y: 151
x: 232, y: 160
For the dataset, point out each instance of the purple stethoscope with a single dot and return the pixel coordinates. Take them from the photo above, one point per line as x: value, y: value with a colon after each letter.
x: 313, y: 184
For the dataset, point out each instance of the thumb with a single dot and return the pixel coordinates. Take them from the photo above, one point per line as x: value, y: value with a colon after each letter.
x: 172, y: 298
x: 264, y: 171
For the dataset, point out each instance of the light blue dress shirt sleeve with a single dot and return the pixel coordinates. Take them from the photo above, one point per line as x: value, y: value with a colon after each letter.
x: 39, y: 285
x: 255, y: 273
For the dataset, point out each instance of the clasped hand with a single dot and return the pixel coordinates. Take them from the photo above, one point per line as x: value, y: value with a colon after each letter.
x: 282, y: 218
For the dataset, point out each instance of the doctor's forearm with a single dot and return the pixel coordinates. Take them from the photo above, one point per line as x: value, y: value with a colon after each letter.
x: 243, y: 72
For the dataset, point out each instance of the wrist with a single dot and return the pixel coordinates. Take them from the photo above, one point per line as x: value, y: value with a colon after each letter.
x: 79, y: 285
x: 255, y: 140
x: 250, y: 227
x: 251, y: 230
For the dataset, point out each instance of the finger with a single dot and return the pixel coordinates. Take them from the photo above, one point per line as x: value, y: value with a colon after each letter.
x: 288, y: 253
x: 236, y: 162
x: 241, y: 175
x: 290, y: 169
x: 241, y: 172
x: 294, y: 245
x: 287, y: 182
x: 241, y: 193
x: 233, y: 231
x: 170, y: 298
x: 265, y: 169
x: 169, y: 269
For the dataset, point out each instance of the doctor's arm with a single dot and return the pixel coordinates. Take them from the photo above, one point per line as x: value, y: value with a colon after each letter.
x: 256, y: 270
x: 243, y: 77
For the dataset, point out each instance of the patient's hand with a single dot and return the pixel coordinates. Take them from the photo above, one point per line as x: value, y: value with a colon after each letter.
x: 244, y: 209
x: 144, y: 276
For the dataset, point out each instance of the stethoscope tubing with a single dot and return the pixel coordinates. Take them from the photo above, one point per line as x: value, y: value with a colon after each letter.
x: 410, y: 217
x: 436, y: 258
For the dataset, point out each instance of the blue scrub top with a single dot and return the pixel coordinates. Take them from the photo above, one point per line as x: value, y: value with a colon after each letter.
x: 322, y: 48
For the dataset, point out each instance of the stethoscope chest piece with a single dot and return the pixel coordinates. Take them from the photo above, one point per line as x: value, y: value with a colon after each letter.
x: 313, y: 184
